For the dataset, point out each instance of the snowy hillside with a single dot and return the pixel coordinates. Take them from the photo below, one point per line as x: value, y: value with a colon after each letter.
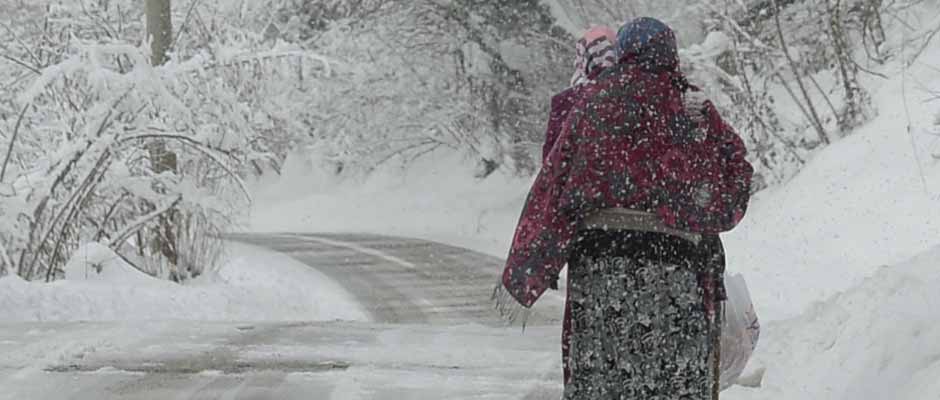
x: 866, y: 202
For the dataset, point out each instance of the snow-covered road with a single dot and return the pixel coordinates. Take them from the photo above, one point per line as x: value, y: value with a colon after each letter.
x: 409, y: 281
x: 433, y: 336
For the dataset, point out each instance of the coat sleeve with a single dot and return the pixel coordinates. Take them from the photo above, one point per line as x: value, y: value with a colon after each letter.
x: 544, y: 231
x: 711, y: 193
x: 560, y: 107
x: 734, y: 171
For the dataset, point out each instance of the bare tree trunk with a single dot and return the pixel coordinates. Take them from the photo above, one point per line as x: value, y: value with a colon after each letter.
x: 159, y: 29
x: 816, y: 121
x: 16, y: 132
x: 160, y: 34
x: 855, y: 97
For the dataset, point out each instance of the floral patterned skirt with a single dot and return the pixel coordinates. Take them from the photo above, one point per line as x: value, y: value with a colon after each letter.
x: 642, y: 325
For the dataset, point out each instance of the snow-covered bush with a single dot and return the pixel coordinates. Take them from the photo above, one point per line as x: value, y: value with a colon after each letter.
x: 792, y: 74
x: 102, y: 146
x: 471, y: 75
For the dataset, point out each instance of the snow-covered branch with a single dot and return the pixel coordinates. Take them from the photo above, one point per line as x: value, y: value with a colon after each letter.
x: 123, y: 235
x: 9, y: 155
x: 203, y: 148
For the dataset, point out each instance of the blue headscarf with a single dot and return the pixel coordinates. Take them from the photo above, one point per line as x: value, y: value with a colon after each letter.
x: 649, y: 43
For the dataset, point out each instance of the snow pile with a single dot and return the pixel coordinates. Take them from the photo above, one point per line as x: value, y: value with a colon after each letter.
x: 254, y: 285
x: 275, y: 287
x: 879, y: 340
x: 97, y: 263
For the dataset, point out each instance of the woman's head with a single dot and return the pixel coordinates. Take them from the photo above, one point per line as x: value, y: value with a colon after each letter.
x: 595, y: 52
x: 649, y: 43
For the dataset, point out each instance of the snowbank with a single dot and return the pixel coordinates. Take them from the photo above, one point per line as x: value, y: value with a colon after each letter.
x: 97, y: 263
x: 254, y: 285
x: 879, y: 340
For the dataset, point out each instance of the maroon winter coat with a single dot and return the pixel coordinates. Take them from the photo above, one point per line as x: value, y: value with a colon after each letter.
x: 560, y: 108
x: 628, y: 142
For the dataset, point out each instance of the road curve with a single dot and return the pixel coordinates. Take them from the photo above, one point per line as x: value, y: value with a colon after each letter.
x: 402, y: 280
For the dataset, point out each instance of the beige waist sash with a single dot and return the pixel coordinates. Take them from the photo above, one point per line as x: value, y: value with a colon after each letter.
x: 631, y: 220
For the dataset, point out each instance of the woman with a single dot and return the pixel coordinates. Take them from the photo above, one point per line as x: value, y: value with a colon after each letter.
x: 632, y: 196
x: 594, y: 53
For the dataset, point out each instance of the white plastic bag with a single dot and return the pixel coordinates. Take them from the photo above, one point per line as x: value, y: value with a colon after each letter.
x: 739, y: 332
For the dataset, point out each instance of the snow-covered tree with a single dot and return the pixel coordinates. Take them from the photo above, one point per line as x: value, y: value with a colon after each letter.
x: 474, y: 76
x: 83, y: 104
x: 792, y: 73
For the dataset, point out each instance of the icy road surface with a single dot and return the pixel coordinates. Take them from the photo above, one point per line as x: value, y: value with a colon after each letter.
x: 433, y: 336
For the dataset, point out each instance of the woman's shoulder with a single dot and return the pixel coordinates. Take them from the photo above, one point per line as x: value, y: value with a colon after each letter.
x: 564, y: 97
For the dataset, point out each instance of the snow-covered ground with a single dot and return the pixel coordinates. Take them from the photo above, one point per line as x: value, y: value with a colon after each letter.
x: 878, y: 340
x: 253, y: 285
x: 841, y: 261
x: 325, y: 360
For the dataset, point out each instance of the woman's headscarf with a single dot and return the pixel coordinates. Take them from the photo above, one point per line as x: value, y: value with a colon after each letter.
x: 649, y: 43
x: 595, y: 52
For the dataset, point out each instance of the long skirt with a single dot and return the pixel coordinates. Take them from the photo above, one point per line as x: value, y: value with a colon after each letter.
x: 644, y: 314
